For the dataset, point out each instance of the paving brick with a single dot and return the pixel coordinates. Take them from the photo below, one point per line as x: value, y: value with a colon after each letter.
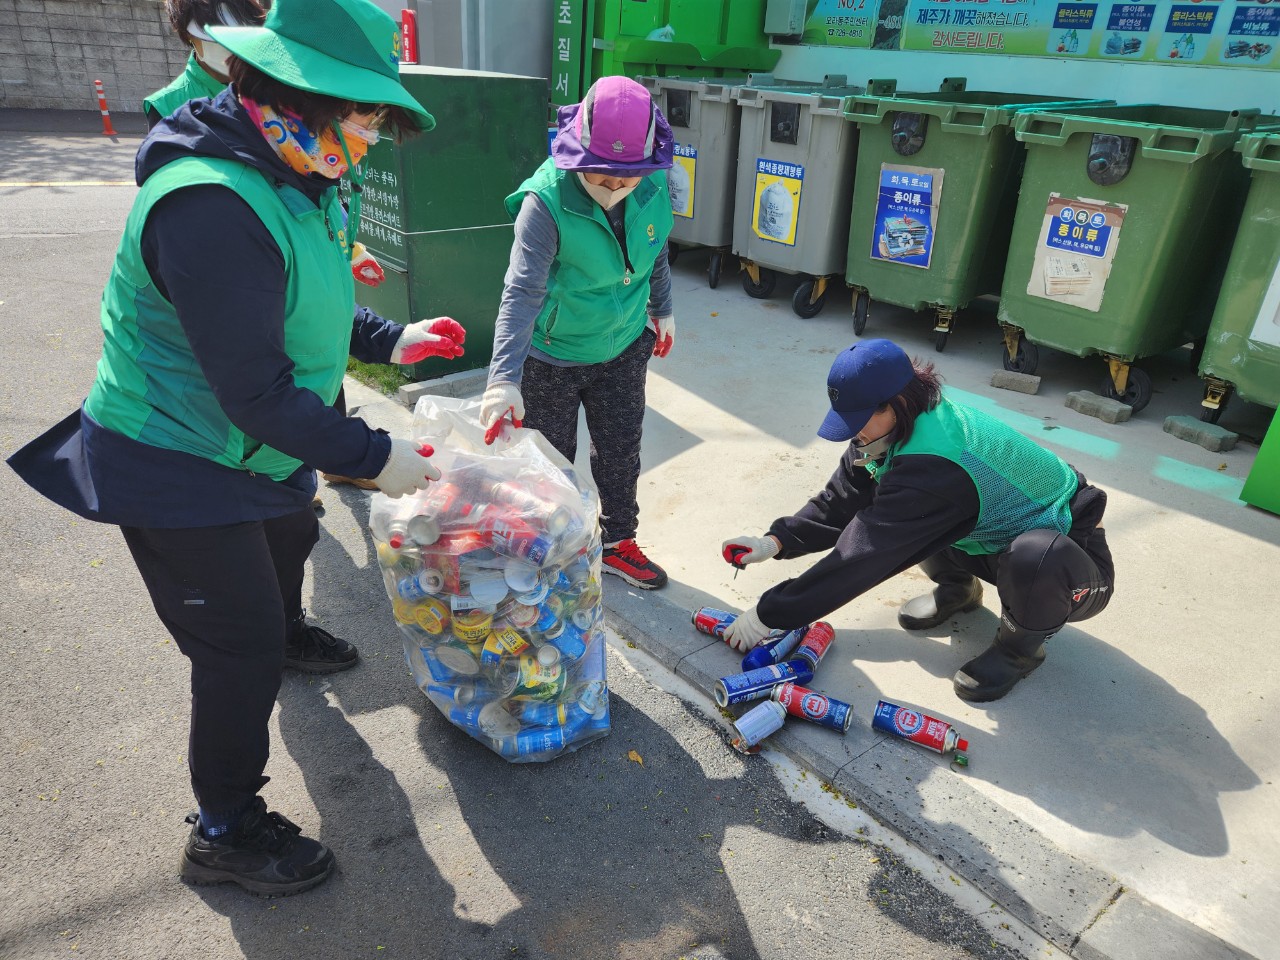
x: 1104, y: 408
x: 1018, y: 382
x: 1212, y: 437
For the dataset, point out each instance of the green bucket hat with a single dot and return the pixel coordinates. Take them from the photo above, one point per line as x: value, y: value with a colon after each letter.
x: 349, y: 49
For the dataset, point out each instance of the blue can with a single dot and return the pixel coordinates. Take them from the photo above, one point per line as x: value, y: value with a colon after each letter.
x: 531, y: 742
x: 572, y: 642
x: 439, y: 672
x: 468, y: 717
x: 411, y: 589
x: 775, y: 651
x: 758, y: 684
x: 535, y: 714
x: 548, y: 617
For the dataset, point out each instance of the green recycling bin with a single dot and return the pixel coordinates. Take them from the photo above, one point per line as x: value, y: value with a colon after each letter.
x: 1242, y: 350
x: 934, y: 197
x: 704, y: 120
x: 1120, y: 234
x: 796, y: 159
x: 432, y: 208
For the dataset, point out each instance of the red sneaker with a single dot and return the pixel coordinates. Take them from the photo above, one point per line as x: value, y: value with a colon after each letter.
x: 626, y: 560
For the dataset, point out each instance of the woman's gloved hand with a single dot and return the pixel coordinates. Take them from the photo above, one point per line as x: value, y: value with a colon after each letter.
x: 746, y: 632
x: 407, y: 469
x: 743, y: 550
x: 499, y: 400
x: 437, y: 337
x: 364, y: 267
x: 665, y: 328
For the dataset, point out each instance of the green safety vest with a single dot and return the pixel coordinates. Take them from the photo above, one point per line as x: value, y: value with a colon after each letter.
x: 1021, y: 485
x: 149, y: 386
x: 192, y: 83
x: 595, y: 307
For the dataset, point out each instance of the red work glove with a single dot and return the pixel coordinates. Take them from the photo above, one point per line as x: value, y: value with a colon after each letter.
x: 364, y: 268
x: 439, y: 337
x: 665, y: 328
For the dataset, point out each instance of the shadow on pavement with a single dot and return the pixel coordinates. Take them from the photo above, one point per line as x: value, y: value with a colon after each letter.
x: 1066, y: 740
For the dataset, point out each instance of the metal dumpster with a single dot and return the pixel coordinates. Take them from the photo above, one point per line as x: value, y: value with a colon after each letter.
x: 432, y: 207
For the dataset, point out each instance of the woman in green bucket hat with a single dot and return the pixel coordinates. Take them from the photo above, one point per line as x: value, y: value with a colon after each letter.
x: 227, y: 321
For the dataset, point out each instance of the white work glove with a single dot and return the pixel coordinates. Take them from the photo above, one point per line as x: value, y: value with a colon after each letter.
x: 746, y: 632
x: 665, y: 328
x: 499, y: 400
x: 743, y: 550
x: 438, y: 337
x: 364, y: 267
x: 407, y: 469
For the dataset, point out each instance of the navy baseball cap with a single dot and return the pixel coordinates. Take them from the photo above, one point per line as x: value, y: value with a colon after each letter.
x: 863, y: 377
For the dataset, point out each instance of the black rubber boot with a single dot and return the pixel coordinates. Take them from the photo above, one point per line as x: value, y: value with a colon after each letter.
x: 946, y: 600
x: 311, y: 649
x: 264, y: 853
x: 995, y: 671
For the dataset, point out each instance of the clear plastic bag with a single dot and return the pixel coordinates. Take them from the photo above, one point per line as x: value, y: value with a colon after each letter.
x: 493, y: 573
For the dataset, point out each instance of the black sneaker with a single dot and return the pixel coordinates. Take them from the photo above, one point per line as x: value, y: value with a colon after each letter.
x: 625, y: 559
x: 312, y: 649
x: 264, y: 853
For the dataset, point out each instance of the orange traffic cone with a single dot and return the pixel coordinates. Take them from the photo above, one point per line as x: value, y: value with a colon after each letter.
x: 107, y: 129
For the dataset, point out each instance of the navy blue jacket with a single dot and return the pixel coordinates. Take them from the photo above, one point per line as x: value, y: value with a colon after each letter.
x: 216, y: 262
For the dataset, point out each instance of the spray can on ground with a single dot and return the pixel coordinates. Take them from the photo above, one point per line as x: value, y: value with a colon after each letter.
x: 774, y: 651
x: 757, y: 723
x: 757, y: 684
x: 816, y: 642
x: 713, y: 622
x: 815, y: 707
x: 931, y: 733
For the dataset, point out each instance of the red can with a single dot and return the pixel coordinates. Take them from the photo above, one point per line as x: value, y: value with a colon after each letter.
x: 930, y: 732
x: 712, y: 622
x: 817, y: 641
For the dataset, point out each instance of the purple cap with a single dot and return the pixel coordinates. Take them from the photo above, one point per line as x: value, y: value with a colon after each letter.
x: 615, y: 130
x: 869, y: 373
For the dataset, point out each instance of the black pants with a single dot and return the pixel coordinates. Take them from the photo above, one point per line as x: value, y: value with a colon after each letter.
x: 612, y: 394
x: 1044, y: 579
x: 226, y: 594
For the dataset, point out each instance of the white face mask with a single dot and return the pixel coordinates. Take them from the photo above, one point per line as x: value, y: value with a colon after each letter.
x: 214, y: 56
x: 603, y: 195
x: 872, y: 450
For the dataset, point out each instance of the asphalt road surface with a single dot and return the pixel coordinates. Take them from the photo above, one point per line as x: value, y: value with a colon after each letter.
x: 444, y: 849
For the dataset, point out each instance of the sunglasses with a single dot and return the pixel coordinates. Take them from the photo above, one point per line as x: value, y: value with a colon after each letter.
x: 369, y: 132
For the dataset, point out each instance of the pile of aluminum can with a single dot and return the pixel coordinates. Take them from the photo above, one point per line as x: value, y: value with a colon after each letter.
x: 495, y: 584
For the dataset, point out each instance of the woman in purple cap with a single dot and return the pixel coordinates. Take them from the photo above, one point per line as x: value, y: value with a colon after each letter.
x: 929, y: 481
x: 587, y: 300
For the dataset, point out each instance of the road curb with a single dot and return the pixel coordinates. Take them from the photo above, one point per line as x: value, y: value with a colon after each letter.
x: 1086, y: 913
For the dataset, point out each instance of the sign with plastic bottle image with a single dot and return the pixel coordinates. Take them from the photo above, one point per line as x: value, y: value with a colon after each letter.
x: 776, y: 211
x: 682, y: 178
x: 1266, y: 329
x: 906, y: 214
x: 1186, y: 32
x: 841, y: 23
x: 1076, y: 249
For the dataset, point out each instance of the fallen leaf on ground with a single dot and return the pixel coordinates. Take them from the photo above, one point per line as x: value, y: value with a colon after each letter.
x: 635, y: 757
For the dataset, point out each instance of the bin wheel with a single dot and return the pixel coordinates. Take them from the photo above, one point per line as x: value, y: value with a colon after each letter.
x: 861, y: 310
x: 763, y: 289
x: 940, y: 339
x: 673, y: 253
x: 802, y: 303
x: 713, y: 269
x: 1137, y: 392
x: 1211, y: 414
x: 1026, y: 360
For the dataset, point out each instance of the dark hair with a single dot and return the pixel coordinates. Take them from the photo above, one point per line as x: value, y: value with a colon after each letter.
x: 316, y: 110
x: 181, y: 12
x: 919, y: 396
